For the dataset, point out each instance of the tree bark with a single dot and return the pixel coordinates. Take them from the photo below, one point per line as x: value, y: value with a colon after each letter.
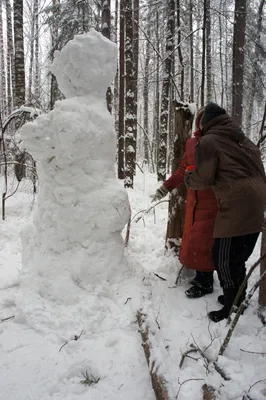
x: 146, y: 95
x: 121, y: 123
x: 156, y: 124
x: 254, y: 82
x: 37, y: 66
x: 191, y: 52
x: 3, y: 66
x: 180, y: 55
x: 19, y: 98
x: 32, y: 37
x: 208, y: 52
x: 203, y: 72
x: 162, y: 158
x: 238, y: 60
x: 10, y: 58
x: 177, y: 205
x: 135, y: 76
x: 130, y: 118
x: 106, y: 31
x: 262, y: 288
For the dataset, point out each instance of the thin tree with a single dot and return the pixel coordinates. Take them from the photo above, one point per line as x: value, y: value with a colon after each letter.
x: 180, y: 55
x: 10, y: 57
x: 191, y: 52
x: 146, y: 90
x: 135, y: 75
x: 2, y: 61
x: 19, y: 98
x: 208, y: 52
x: 164, y: 114
x: 36, y: 52
x: 203, y: 72
x: 30, y: 73
x: 106, y: 31
x: 130, y: 118
x: 121, y: 116
x: 238, y: 60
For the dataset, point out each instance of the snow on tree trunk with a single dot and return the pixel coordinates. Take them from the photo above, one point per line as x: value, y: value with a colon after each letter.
x: 203, y: 61
x: 177, y: 205
x: 208, y: 52
x: 254, y: 78
x: 146, y: 94
x: 156, y: 122
x: 238, y: 60
x: 36, y: 53
x: 19, y: 98
x: 180, y: 55
x: 121, y: 117
x: 3, y: 67
x: 130, y: 117
x: 162, y: 156
x: 135, y: 76
x: 10, y: 58
x: 75, y: 240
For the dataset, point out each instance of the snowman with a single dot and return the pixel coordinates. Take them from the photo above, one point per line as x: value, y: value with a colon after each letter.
x: 74, y: 241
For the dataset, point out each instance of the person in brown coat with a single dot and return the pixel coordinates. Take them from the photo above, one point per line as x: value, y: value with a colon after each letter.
x: 229, y: 163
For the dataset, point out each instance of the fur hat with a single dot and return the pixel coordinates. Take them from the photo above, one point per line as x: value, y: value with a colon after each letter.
x: 212, y: 110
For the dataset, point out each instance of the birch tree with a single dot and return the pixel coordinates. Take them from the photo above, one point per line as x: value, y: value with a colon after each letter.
x: 10, y: 57
x: 121, y: 116
x: 2, y: 61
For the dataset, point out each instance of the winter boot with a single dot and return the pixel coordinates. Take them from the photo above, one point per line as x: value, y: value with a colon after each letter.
x: 242, y: 297
x: 229, y: 297
x: 198, y: 290
x: 221, y: 299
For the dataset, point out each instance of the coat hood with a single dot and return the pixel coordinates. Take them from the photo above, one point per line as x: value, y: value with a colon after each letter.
x: 224, y: 126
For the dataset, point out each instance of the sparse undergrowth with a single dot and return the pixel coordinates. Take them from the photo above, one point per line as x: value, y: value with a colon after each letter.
x: 89, y: 379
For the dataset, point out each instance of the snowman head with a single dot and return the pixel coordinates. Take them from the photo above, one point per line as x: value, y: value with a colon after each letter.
x: 86, y: 65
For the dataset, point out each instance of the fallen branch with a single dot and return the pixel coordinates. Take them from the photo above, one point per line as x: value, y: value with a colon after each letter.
x: 253, y: 352
x: 240, y: 310
x: 158, y: 383
x: 128, y: 232
x: 246, y: 394
x: 243, y: 286
x: 179, y: 275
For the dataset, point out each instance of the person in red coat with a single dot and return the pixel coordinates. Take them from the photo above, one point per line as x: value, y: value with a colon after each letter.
x: 201, y: 210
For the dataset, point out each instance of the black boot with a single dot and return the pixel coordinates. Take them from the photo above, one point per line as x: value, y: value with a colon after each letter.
x: 198, y: 290
x: 241, y: 299
x: 229, y: 297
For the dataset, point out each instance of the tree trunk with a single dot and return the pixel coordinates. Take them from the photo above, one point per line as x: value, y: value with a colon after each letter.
x: 221, y: 55
x: 180, y: 55
x: 177, y: 205
x: 106, y: 31
x: 238, y: 60
x: 191, y: 52
x: 166, y: 91
x: 37, y: 66
x: 156, y: 124
x: 19, y: 98
x: 10, y: 58
x: 121, y: 137
x: 54, y: 95
x: 203, y: 55
x: 135, y: 76
x: 32, y: 36
x: 254, y: 81
x: 208, y: 52
x: 3, y: 67
x: 130, y: 118
x: 116, y: 83
x: 146, y: 96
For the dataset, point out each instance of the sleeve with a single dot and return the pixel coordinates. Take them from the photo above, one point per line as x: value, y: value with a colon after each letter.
x: 178, y: 176
x: 206, y: 164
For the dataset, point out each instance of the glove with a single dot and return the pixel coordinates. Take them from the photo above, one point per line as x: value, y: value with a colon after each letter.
x: 160, y: 193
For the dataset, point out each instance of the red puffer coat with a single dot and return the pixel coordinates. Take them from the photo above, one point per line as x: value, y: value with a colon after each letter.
x: 201, y: 210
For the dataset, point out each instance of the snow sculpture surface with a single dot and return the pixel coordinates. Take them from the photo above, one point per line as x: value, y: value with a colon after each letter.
x: 75, y: 240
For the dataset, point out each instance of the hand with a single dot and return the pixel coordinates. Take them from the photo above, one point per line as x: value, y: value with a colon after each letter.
x: 160, y: 193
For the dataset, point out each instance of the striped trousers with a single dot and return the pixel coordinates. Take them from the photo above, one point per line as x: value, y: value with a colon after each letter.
x: 230, y: 256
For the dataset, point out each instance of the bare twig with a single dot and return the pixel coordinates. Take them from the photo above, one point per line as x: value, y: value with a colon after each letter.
x: 6, y: 319
x: 127, y: 300
x: 253, y: 352
x: 160, y: 277
x: 246, y: 394
x: 179, y: 275
x: 128, y: 232
x: 182, y: 383
x: 75, y: 338
x: 147, y: 210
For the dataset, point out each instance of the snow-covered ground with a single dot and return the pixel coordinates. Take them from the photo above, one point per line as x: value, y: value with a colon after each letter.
x: 33, y: 367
